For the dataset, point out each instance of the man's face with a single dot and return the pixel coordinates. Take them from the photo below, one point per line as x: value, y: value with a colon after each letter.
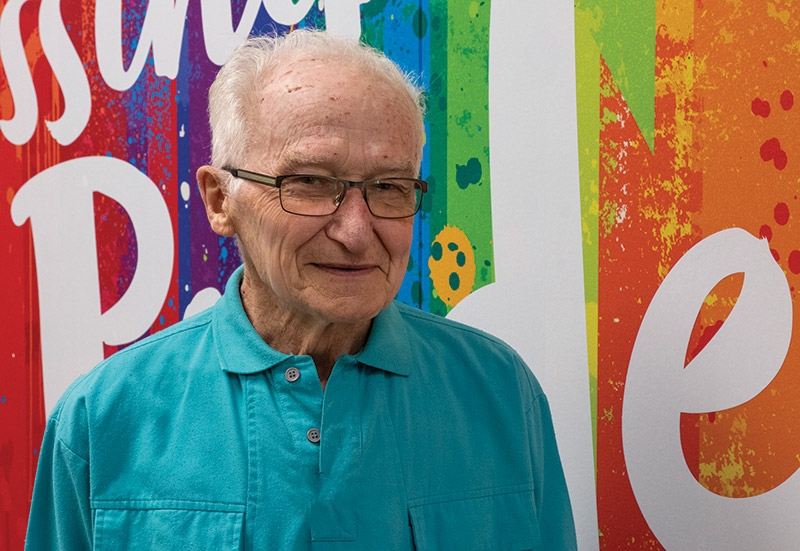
x: 317, y: 117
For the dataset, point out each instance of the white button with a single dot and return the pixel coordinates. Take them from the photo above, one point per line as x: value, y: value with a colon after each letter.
x: 313, y: 435
x: 292, y: 374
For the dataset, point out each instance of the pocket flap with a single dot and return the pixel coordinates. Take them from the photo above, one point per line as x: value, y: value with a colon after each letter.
x: 167, y: 530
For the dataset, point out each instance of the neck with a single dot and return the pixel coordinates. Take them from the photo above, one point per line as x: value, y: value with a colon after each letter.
x: 300, y: 333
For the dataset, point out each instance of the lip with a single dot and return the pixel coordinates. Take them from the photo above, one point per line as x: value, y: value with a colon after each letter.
x: 347, y: 269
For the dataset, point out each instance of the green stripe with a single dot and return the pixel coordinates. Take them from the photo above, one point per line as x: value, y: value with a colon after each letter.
x: 468, y: 184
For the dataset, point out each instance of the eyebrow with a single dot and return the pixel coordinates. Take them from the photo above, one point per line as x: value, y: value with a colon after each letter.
x: 294, y: 159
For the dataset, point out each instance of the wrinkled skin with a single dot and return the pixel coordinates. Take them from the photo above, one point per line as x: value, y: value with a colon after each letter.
x: 313, y: 284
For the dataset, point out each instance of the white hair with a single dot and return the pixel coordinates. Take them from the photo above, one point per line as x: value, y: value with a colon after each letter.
x: 234, y: 95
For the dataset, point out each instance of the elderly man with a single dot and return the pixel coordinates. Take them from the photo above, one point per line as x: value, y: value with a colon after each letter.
x: 306, y: 409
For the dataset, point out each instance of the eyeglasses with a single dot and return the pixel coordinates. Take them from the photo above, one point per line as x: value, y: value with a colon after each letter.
x: 312, y: 195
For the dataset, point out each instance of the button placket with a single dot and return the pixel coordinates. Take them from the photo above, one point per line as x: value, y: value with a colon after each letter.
x: 300, y: 398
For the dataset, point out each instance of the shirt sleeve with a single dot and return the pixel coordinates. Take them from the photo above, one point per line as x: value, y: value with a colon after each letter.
x: 60, y: 517
x: 556, y: 524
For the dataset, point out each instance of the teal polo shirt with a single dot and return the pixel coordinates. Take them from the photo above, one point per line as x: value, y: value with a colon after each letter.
x: 435, y: 436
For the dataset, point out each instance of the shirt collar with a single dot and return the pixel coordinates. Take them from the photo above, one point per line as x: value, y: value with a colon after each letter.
x: 242, y: 350
x: 239, y: 347
x: 388, y: 346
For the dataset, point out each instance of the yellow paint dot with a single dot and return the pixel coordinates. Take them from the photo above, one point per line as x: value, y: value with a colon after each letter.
x: 473, y: 9
x: 452, y: 265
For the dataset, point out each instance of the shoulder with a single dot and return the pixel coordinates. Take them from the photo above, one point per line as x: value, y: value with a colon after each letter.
x: 189, y: 330
x: 152, y: 352
x: 447, y: 329
x: 135, y: 375
x: 463, y: 351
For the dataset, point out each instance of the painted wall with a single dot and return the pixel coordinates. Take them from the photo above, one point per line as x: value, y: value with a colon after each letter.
x: 613, y: 189
x: 688, y: 155
x: 103, y: 125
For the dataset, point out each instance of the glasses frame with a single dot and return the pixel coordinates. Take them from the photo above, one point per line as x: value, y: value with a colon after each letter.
x: 276, y: 181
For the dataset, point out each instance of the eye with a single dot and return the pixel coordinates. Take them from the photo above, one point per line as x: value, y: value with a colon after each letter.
x: 310, y: 187
x: 399, y: 187
x: 310, y: 180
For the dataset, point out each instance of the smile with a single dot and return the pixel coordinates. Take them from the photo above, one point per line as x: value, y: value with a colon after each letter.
x: 346, y: 268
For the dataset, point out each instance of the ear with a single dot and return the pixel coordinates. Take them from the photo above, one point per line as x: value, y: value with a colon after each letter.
x: 216, y: 199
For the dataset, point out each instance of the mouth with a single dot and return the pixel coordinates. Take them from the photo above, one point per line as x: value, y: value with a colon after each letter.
x: 347, y: 269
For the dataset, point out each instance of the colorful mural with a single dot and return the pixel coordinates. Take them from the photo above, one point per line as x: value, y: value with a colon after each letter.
x: 688, y: 154
x: 103, y: 124
x: 687, y: 129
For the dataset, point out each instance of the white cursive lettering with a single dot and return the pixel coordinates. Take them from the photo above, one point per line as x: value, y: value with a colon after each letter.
x: 162, y: 33
x: 732, y: 368
x: 59, y: 203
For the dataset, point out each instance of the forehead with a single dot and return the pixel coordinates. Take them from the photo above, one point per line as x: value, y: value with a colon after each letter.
x: 334, y: 85
x: 311, y: 107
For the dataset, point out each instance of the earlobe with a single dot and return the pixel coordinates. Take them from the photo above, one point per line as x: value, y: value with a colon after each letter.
x: 215, y: 198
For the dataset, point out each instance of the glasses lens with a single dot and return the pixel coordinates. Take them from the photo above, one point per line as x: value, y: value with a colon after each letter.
x: 310, y: 195
x: 394, y: 197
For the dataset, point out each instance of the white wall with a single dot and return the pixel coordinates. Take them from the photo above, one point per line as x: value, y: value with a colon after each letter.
x: 537, y: 301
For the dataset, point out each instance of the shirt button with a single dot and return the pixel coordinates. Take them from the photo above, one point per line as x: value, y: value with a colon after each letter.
x: 292, y: 374
x: 313, y: 435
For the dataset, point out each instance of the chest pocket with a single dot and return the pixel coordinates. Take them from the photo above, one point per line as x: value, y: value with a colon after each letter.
x: 503, y: 522
x: 167, y: 530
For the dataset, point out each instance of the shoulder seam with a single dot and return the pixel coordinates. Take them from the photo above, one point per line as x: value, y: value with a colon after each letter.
x: 451, y: 324
x: 162, y: 334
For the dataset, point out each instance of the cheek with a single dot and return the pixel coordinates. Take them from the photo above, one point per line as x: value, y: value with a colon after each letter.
x: 397, y: 240
x: 252, y: 208
x: 285, y: 243
x: 254, y: 217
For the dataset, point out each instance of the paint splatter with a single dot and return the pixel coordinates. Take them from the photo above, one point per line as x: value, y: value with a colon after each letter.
x: 452, y: 265
x: 706, y: 334
x: 468, y: 174
x: 781, y: 213
x: 760, y: 108
x: 794, y: 262
x: 771, y: 151
x: 420, y: 24
x: 787, y: 100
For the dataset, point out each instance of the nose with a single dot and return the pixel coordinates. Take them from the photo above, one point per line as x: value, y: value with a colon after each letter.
x: 352, y: 223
